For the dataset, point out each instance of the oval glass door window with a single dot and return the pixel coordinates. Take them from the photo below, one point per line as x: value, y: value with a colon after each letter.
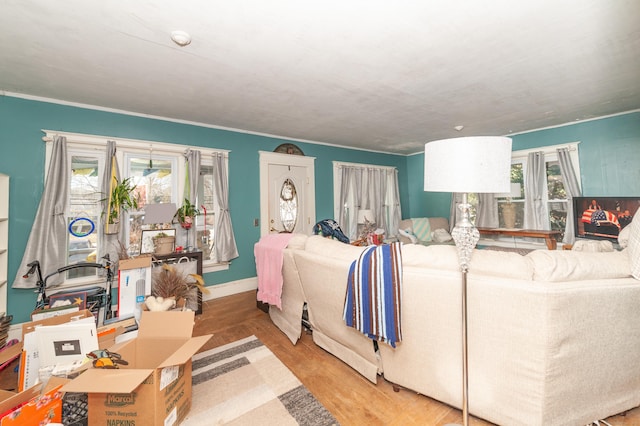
x: 288, y: 205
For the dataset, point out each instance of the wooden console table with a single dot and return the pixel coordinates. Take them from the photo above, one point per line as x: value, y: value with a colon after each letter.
x: 549, y: 236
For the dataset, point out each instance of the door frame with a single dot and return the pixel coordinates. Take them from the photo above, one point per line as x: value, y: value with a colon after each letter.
x: 273, y: 158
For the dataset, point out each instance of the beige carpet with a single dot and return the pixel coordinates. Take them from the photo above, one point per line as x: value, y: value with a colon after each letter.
x: 244, y: 383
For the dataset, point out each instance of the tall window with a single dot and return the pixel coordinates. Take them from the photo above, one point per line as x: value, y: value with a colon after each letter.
x: 368, y: 187
x: 555, y: 196
x: 159, y: 176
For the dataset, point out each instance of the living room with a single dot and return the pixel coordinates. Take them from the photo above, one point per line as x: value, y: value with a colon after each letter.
x: 609, y: 149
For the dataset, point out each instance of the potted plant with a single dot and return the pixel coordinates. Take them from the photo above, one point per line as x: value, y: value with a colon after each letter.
x: 122, y: 198
x: 185, y: 214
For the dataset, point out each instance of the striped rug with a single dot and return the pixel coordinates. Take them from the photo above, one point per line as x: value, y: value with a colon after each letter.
x: 244, y: 383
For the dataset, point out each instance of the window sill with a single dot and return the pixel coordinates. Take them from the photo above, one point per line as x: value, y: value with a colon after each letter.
x: 214, y: 267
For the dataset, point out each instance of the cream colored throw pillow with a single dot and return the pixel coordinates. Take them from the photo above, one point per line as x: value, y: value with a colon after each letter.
x: 633, y: 246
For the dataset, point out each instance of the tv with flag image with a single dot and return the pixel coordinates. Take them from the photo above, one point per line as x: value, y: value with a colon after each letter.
x: 602, y: 218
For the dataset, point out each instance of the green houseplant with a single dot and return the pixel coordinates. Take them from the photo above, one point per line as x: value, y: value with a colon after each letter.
x: 185, y: 214
x: 122, y: 198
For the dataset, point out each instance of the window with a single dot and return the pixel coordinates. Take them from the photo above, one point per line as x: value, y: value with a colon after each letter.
x: 370, y: 187
x: 555, y: 196
x: 158, y: 171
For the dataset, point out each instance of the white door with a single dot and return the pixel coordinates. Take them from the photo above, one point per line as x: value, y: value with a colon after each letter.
x: 287, y: 193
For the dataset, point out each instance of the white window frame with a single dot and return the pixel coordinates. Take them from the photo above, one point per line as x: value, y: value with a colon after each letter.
x: 337, y: 183
x: 550, y: 154
x: 88, y: 144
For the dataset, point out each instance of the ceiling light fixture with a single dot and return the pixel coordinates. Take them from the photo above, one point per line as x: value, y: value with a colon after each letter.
x: 181, y: 38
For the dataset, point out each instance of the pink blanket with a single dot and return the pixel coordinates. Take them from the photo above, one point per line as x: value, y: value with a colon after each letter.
x: 269, y: 258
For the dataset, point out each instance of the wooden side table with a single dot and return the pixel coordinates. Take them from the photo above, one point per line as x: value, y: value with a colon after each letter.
x: 549, y: 236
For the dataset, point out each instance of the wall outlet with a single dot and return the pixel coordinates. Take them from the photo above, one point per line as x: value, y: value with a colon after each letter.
x: 256, y: 222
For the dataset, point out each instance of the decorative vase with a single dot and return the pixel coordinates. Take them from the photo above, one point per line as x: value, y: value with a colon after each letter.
x: 163, y: 245
x: 509, y: 215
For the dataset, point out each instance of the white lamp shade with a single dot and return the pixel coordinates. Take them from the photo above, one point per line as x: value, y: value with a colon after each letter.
x: 469, y: 164
x: 365, y: 215
x: 515, y: 191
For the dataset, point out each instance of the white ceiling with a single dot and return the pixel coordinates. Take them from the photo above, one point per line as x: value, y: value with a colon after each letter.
x: 379, y: 75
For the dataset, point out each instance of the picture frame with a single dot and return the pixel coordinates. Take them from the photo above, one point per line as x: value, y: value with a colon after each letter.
x: 146, y: 240
x: 77, y: 298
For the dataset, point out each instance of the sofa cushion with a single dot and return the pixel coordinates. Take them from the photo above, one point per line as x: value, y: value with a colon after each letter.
x: 633, y: 245
x: 330, y: 248
x: 592, y: 245
x: 297, y: 241
x: 483, y: 262
x: 564, y: 265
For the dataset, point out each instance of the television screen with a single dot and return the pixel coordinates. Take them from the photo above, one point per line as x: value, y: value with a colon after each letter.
x: 602, y: 218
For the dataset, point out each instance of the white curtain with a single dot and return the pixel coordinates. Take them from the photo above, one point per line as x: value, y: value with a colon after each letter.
x: 347, y: 219
x: 487, y: 211
x: 224, y: 240
x: 572, y: 187
x: 368, y: 187
x: 48, y: 238
x: 536, y: 213
x: 395, y: 213
x: 193, y: 158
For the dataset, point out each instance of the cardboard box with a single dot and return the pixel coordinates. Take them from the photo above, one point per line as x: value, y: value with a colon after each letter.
x: 134, y: 283
x: 29, y: 360
x: 155, y: 388
x: 36, y: 405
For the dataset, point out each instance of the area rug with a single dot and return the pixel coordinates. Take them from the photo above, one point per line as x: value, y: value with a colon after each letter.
x: 244, y: 383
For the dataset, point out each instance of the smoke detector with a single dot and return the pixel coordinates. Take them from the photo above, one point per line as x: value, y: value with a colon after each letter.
x: 181, y: 38
x: 458, y: 128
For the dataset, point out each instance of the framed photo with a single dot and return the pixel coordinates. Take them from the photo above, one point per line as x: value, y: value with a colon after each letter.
x: 146, y: 243
x: 78, y: 298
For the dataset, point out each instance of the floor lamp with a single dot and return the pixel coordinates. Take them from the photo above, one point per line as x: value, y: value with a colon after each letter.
x: 464, y: 165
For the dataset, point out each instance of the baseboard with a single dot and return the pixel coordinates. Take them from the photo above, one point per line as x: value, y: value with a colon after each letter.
x: 230, y: 288
x: 215, y: 292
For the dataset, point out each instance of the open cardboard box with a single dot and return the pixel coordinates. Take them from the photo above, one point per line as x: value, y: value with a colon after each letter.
x: 155, y: 387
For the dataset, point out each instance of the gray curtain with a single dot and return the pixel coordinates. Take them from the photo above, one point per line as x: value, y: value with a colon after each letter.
x: 225, y: 242
x: 572, y: 187
x: 193, y: 157
x: 536, y: 213
x: 109, y: 242
x: 487, y: 211
x: 48, y: 238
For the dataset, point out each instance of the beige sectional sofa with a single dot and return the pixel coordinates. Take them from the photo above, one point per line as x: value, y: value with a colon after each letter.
x: 554, y: 336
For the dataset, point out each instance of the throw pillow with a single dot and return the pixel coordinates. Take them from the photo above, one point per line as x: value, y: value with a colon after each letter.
x: 422, y: 228
x: 441, y: 236
x: 623, y: 237
x: 634, y: 245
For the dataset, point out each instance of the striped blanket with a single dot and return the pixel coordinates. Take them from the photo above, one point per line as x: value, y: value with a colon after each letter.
x: 374, y: 291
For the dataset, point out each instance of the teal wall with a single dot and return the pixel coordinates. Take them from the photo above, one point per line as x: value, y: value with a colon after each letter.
x: 609, y: 161
x: 609, y: 158
x: 23, y: 155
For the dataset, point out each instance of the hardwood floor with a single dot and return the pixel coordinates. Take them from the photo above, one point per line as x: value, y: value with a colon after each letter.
x: 352, y: 399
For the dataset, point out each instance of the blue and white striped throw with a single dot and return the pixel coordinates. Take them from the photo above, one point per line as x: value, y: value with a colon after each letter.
x: 374, y: 293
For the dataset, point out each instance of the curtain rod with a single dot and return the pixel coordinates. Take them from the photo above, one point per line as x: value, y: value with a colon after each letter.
x: 100, y: 141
